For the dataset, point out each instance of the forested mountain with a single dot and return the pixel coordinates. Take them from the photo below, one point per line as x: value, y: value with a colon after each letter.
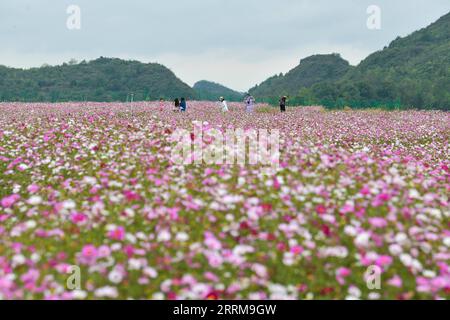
x: 413, y: 71
x: 312, y: 70
x: 206, y: 90
x: 103, y: 79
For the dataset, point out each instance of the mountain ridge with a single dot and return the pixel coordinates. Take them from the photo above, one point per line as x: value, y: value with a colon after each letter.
x: 102, y: 79
x: 209, y: 90
x: 311, y: 70
x: 412, y: 71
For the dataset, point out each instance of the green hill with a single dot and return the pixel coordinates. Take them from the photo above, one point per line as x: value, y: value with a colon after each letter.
x: 103, y: 79
x: 413, y: 71
x: 211, y: 91
x: 312, y: 70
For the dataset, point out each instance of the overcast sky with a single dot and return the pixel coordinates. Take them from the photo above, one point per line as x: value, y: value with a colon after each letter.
x: 235, y: 42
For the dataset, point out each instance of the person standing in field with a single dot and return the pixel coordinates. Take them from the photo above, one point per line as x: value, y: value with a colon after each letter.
x: 249, y: 103
x: 224, y: 104
x: 183, y: 105
x: 161, y: 104
x: 283, y: 104
x: 177, y: 104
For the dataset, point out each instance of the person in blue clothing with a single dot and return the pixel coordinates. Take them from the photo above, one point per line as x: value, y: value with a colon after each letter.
x: 183, y: 105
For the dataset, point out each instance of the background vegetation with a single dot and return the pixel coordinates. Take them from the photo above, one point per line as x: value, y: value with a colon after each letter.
x: 412, y: 72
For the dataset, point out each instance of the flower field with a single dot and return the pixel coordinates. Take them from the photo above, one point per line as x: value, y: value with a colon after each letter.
x: 93, y: 186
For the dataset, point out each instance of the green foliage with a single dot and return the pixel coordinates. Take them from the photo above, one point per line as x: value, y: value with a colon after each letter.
x: 103, y: 79
x: 211, y: 91
x: 312, y: 70
x: 412, y: 72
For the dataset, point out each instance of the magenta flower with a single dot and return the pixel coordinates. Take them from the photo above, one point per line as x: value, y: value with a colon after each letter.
x: 78, y: 218
x: 8, y: 202
x: 297, y: 249
x: 347, y: 208
x: 32, y: 188
x: 89, y: 251
x: 88, y: 255
x: 117, y: 234
x: 381, y: 199
x: 341, y: 274
x: 384, y: 261
x: 378, y: 222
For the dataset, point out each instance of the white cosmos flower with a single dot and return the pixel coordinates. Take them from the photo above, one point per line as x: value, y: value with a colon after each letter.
x: 406, y: 259
x: 69, y: 204
x: 35, y: 200
x: 429, y: 274
x: 150, y: 272
x: 134, y: 264
x: 30, y: 224
x: 115, y: 277
x: 163, y: 236
x: 354, y: 292
x: 79, y: 294
x: 395, y: 249
x: 401, y: 238
x: 90, y: 180
x: 447, y: 241
x: 23, y: 166
x: 106, y: 292
x: 362, y: 240
x: 158, y: 296
x: 374, y: 296
x: 351, y: 231
x: 18, y: 260
x: 182, y: 236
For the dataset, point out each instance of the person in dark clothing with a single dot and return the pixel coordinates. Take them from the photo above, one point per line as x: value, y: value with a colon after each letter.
x: 177, y: 104
x: 283, y: 104
x: 183, y: 105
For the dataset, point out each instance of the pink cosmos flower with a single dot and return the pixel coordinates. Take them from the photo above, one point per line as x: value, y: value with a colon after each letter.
x: 297, y: 249
x: 381, y: 199
x: 32, y: 188
x: 211, y: 277
x: 321, y: 209
x: 31, y: 276
x: 341, y: 274
x: 383, y: 261
x: 173, y: 213
x: 347, y: 208
x: 378, y: 222
x: 117, y: 234
x: 8, y: 202
x: 78, y: 218
x: 131, y: 196
x: 365, y: 191
x: 89, y: 251
x: 104, y: 251
x: 89, y: 254
x: 211, y: 242
x: 129, y: 250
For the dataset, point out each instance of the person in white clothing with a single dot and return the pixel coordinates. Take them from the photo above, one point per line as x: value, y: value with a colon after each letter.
x: 224, y: 104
